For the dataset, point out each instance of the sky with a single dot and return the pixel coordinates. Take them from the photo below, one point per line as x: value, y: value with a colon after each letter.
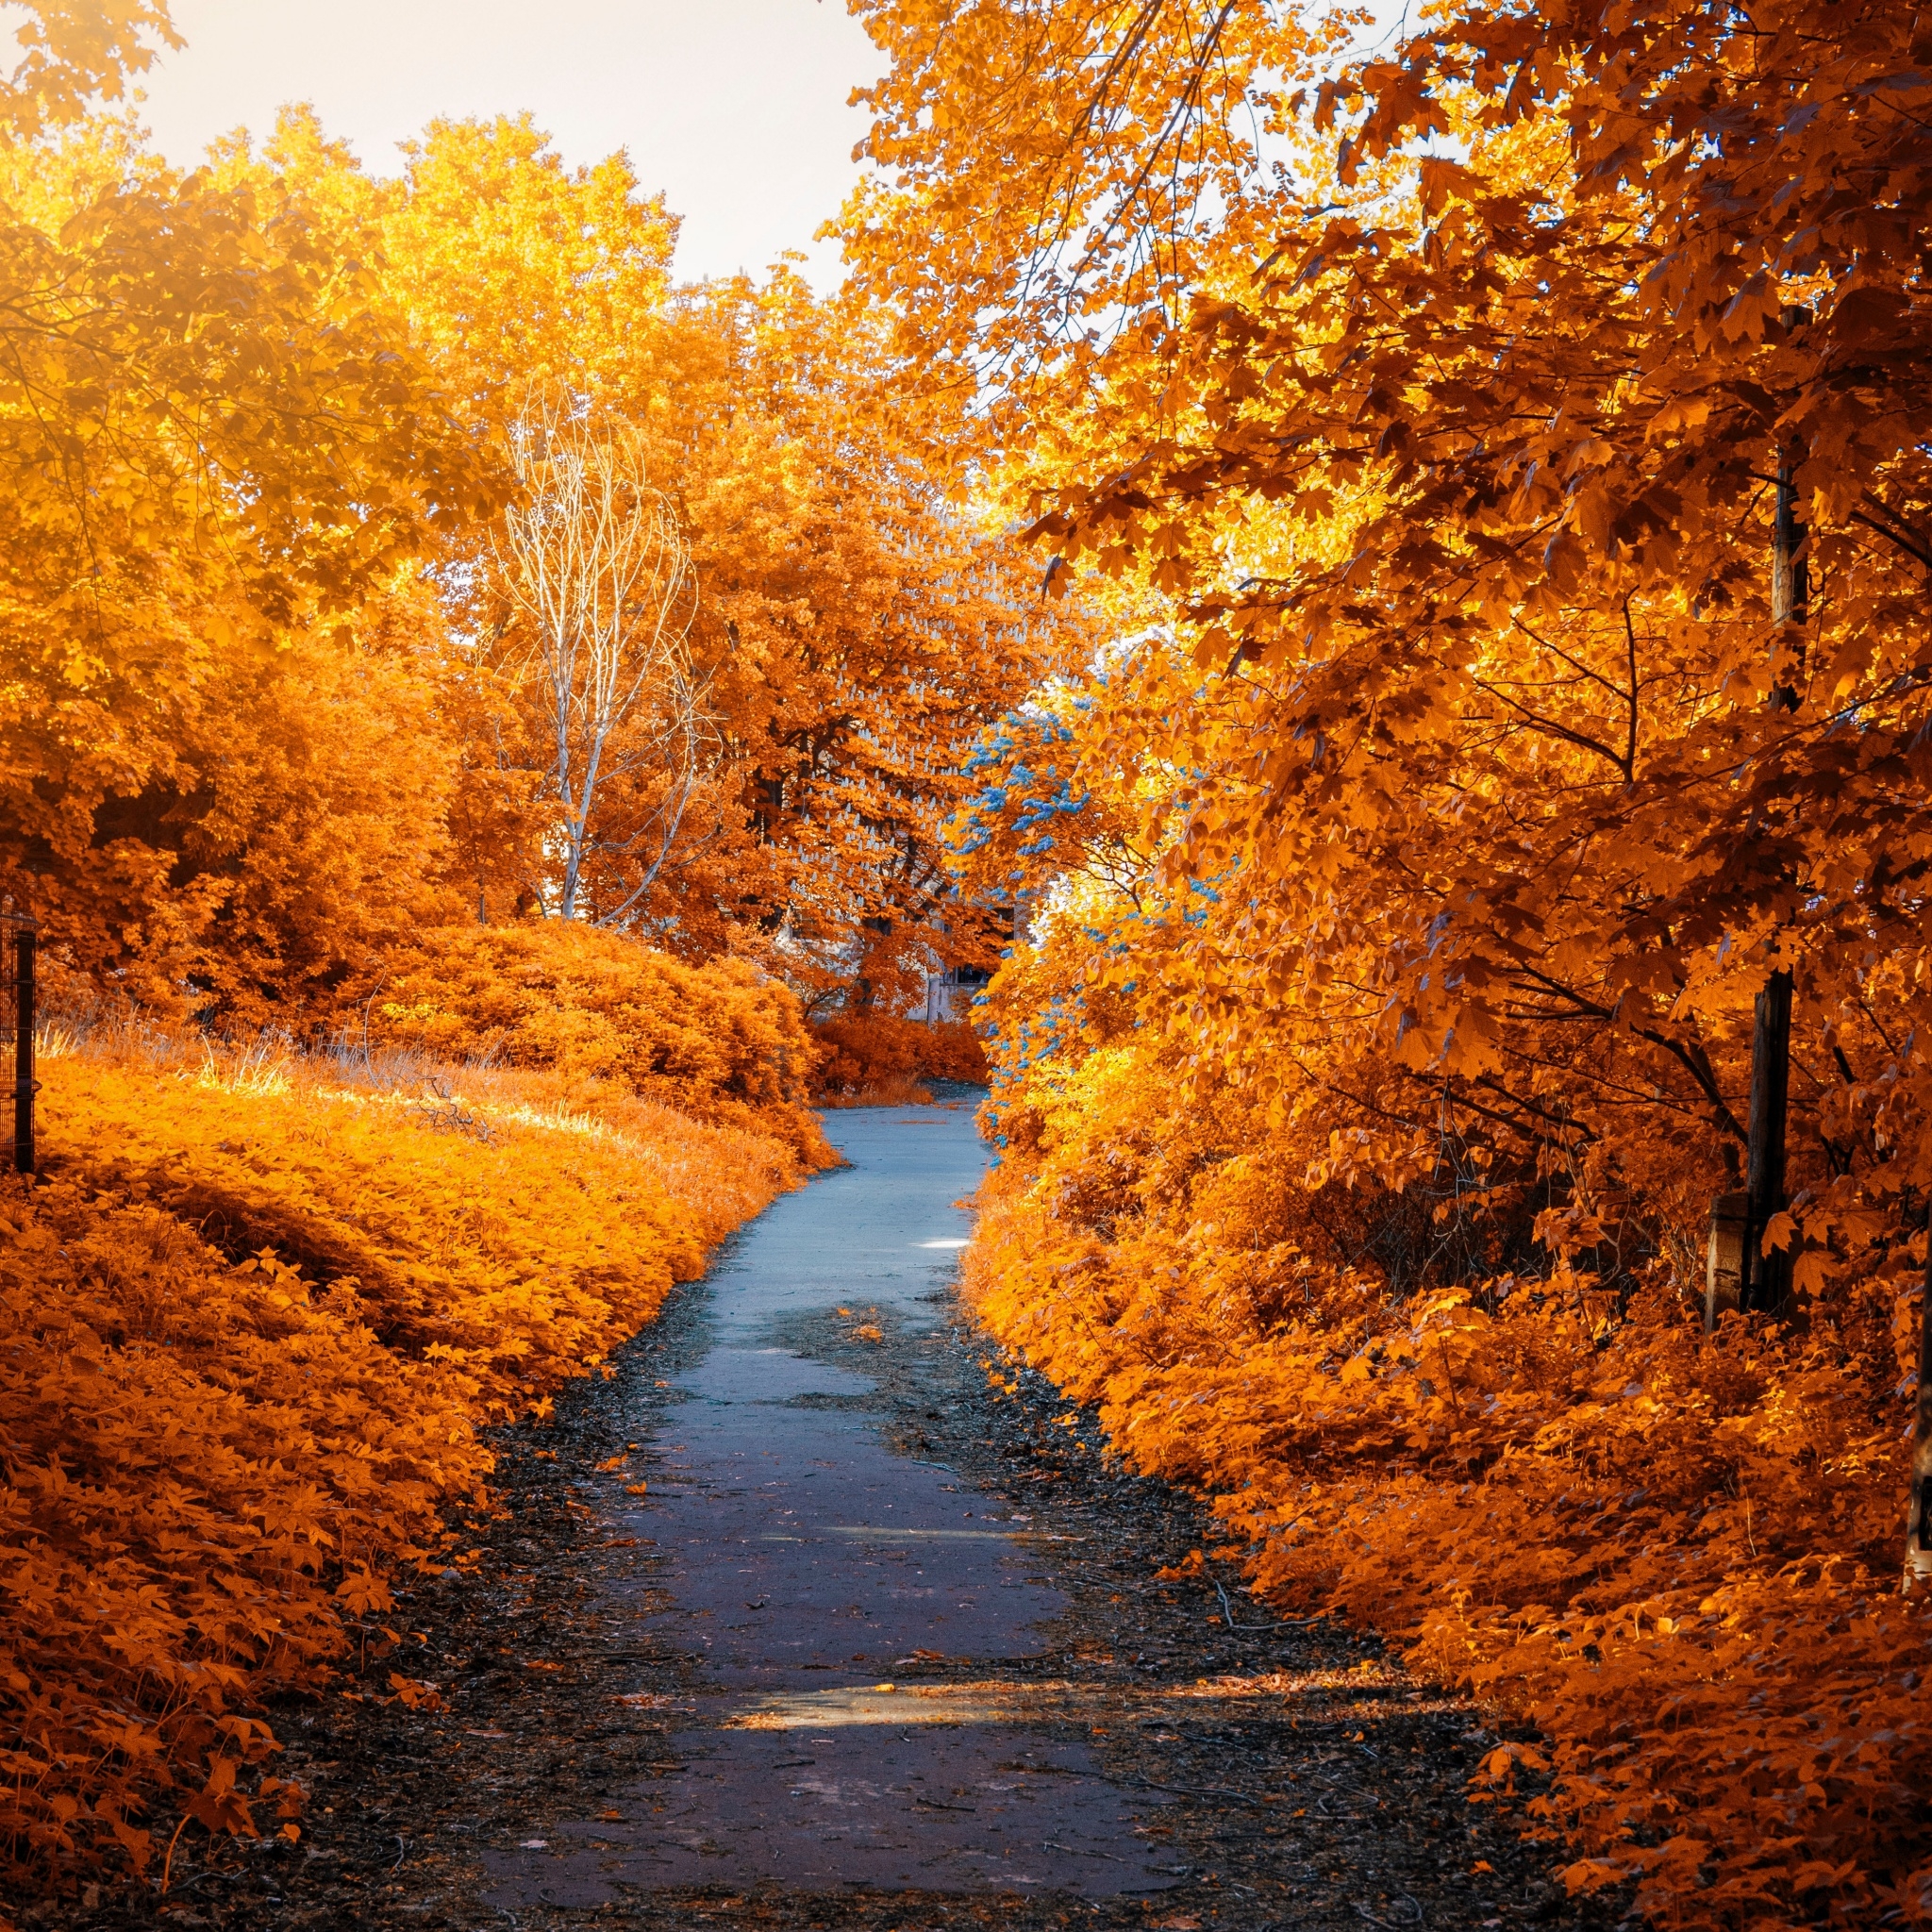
x: 735, y: 109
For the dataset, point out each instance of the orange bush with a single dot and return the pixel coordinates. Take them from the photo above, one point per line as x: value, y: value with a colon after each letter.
x: 1673, y: 1553
x: 206, y: 1468
x: 720, y: 1041
x: 870, y: 1054
x: 251, y: 1318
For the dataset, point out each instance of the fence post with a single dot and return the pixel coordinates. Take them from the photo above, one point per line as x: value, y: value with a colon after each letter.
x: 1724, y: 1256
x: 23, y: 1081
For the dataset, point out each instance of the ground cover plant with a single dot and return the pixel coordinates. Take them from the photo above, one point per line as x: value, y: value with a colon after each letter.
x: 1677, y: 1554
x: 257, y: 1309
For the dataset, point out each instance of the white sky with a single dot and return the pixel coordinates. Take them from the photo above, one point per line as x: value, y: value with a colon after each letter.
x: 735, y: 109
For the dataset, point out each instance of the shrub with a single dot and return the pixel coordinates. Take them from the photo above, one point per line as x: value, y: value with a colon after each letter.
x: 203, y: 1468
x: 721, y: 1042
x: 1674, y: 1554
x: 881, y: 1056
x: 252, y: 1317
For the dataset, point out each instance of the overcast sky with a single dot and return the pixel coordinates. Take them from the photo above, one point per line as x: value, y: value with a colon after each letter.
x: 735, y: 109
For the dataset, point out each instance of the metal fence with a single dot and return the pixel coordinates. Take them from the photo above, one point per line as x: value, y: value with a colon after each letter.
x: 17, y: 936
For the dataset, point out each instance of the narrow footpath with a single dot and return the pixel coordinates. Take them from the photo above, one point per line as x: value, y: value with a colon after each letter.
x: 804, y: 1619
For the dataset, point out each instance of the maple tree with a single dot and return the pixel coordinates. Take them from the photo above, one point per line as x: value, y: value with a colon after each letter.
x: 76, y: 52
x: 1503, y: 457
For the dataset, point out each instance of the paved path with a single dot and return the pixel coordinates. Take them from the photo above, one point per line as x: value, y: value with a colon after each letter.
x: 803, y: 1561
x: 888, y: 1645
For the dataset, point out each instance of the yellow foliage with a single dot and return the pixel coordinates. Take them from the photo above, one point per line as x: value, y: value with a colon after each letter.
x: 721, y: 1042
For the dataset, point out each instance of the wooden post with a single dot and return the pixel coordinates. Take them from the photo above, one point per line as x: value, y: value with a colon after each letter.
x: 1723, y: 1258
x: 1764, y: 1280
x: 23, y: 1082
x: 1919, y: 1497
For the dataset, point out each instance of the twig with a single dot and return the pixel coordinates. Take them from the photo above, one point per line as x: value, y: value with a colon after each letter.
x: 1147, y: 1783
x: 1261, y: 1629
x: 168, y: 1863
x: 1449, y: 1375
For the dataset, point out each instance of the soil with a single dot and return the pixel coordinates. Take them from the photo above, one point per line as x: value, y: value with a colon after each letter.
x: 1272, y: 1774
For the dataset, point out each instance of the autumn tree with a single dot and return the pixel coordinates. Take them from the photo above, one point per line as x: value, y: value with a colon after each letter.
x: 75, y: 54
x: 1465, y: 473
x: 855, y: 623
x: 866, y: 624
x: 599, y: 575
x: 218, y: 442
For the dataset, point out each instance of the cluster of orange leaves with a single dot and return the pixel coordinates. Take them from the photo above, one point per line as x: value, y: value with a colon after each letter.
x: 1439, y: 426
x: 720, y: 1041
x: 253, y: 1317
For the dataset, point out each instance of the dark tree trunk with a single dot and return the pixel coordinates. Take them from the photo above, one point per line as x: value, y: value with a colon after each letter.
x: 1919, y: 1498
x: 1764, y: 1280
x: 1791, y: 576
x: 23, y: 1081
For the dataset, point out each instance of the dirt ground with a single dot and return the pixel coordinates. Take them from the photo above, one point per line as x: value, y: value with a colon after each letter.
x: 1291, y: 1776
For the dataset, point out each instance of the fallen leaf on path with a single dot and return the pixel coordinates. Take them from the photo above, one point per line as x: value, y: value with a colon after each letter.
x: 415, y: 1693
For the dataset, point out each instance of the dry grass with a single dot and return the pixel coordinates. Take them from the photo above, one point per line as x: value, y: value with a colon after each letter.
x: 890, y: 1090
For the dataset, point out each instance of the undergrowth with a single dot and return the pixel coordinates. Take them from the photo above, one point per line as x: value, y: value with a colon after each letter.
x: 1675, y: 1554
x: 881, y: 1059
x: 253, y: 1315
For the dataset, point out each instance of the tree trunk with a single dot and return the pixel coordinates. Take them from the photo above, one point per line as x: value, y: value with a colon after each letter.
x: 23, y: 1082
x: 1790, y: 576
x: 1764, y: 1280
x: 1919, y: 1498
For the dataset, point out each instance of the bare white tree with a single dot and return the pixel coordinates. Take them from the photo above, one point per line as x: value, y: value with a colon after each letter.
x: 597, y: 568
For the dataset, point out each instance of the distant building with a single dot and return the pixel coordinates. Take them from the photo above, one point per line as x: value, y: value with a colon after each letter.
x: 949, y: 995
